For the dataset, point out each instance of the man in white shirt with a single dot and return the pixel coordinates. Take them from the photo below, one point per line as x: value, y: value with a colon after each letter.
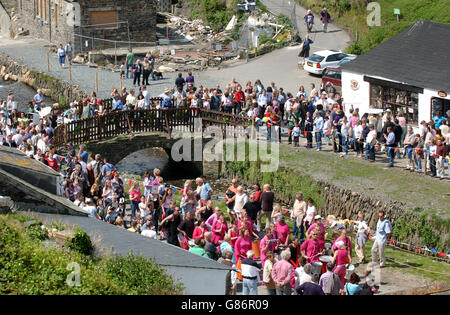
x: 383, y: 234
x: 17, y: 138
x: 146, y: 96
x: 12, y: 104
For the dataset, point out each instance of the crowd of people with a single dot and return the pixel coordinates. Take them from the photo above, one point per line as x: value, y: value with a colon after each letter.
x: 288, y: 259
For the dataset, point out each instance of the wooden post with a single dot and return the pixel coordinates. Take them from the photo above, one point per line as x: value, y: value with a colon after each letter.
x: 70, y: 71
x: 48, y: 61
x: 96, y: 82
x: 121, y: 86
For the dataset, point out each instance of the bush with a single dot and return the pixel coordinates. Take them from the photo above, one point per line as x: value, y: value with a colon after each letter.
x: 35, y: 232
x: 81, y: 242
x: 141, y: 275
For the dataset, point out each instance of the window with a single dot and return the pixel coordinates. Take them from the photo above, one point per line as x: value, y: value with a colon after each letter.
x: 56, y: 15
x: 104, y: 19
x: 439, y: 104
x: 341, y: 56
x: 316, y: 58
x: 396, y: 100
x: 332, y: 74
x: 332, y: 58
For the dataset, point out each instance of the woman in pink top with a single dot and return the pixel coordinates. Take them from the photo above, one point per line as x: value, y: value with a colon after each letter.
x: 282, y: 231
x: 341, y: 258
x: 353, y: 119
x: 311, y: 248
x: 135, y: 198
x: 219, y: 229
x: 243, y: 244
x: 248, y: 222
x: 268, y: 244
x: 320, y: 228
x: 199, y: 231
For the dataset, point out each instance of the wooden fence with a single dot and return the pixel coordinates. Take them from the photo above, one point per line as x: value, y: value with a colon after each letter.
x: 140, y: 121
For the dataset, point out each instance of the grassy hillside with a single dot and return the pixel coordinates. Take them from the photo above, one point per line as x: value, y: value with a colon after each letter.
x: 353, y: 15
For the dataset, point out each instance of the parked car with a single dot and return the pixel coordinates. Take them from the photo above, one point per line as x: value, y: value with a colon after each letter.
x: 320, y: 60
x: 345, y: 60
x: 332, y: 75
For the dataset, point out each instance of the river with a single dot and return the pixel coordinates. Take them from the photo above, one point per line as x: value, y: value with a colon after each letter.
x: 22, y: 93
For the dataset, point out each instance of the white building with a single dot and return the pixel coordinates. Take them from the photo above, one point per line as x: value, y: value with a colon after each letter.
x: 409, y: 72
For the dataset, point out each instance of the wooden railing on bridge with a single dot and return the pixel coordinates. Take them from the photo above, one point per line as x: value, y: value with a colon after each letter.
x: 140, y: 121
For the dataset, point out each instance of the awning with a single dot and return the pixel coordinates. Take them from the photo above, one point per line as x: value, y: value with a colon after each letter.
x: 395, y: 85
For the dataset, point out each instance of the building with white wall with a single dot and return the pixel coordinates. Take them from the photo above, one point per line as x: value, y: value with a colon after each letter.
x: 408, y: 73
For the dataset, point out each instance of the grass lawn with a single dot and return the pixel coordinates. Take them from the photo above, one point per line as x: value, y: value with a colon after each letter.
x: 413, y: 189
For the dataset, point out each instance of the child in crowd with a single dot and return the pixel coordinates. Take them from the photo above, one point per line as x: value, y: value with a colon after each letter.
x: 296, y: 133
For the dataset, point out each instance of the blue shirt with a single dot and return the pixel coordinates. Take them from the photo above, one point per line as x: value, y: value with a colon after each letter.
x: 351, y: 289
x: 38, y: 98
x: 84, y: 156
x: 108, y: 167
x: 206, y: 189
x: 117, y: 105
x: 383, y: 228
x: 390, y: 139
x: 318, y: 124
x: 438, y: 121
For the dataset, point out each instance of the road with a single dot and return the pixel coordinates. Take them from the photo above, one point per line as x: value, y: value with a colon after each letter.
x: 280, y: 66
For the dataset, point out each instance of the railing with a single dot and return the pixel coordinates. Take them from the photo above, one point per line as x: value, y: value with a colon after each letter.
x: 140, y: 121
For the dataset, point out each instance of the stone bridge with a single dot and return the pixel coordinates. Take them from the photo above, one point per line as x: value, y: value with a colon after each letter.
x: 117, y: 148
x: 120, y: 133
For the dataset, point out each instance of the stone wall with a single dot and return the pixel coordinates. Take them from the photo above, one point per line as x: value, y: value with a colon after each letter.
x: 5, y: 22
x: 140, y: 15
x: 11, y: 69
x: 164, y: 5
x: 61, y: 21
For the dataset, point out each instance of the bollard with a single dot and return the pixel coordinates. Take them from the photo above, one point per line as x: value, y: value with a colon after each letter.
x: 96, y: 82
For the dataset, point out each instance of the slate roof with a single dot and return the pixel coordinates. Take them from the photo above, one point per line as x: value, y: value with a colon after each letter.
x: 418, y: 56
x: 123, y: 241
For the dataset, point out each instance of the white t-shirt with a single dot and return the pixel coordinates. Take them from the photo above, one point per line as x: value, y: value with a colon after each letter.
x: 150, y: 233
x: 358, y: 131
x: 361, y: 226
x: 144, y: 210
x: 310, y: 213
x: 296, y: 131
x: 91, y: 210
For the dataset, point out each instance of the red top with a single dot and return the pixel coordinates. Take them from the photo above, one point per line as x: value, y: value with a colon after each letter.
x: 233, y: 234
x: 258, y: 195
x: 135, y: 195
x: 53, y: 164
x: 239, y: 96
x: 198, y: 233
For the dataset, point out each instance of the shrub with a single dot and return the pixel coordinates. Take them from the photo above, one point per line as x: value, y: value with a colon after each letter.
x: 81, y: 242
x: 141, y: 275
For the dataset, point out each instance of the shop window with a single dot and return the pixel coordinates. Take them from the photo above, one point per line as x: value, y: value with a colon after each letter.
x: 397, y: 101
x: 439, y: 104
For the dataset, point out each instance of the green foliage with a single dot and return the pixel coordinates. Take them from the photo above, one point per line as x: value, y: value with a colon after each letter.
x: 263, y: 39
x: 424, y: 228
x: 28, y: 266
x: 261, y: 6
x: 35, y: 232
x: 81, y: 242
x: 355, y: 48
x: 353, y: 14
x: 286, y: 21
x: 140, y: 275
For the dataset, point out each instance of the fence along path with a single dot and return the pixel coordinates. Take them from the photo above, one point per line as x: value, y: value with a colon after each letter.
x: 141, y: 121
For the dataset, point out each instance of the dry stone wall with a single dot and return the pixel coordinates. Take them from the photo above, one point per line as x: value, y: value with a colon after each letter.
x: 11, y: 69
